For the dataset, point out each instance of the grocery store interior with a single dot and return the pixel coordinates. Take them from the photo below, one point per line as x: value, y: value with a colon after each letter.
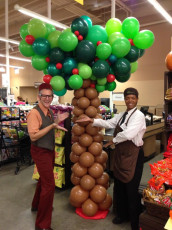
x: 25, y: 65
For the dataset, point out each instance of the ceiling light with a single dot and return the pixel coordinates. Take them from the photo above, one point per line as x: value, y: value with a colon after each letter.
x: 13, y: 66
x: 39, y: 16
x: 9, y: 40
x: 2, y: 69
x: 161, y: 10
x: 16, y: 58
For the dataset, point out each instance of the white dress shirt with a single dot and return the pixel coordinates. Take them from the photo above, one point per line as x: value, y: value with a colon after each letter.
x: 134, y: 130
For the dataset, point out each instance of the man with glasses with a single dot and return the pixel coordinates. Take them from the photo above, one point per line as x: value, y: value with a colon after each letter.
x: 41, y: 127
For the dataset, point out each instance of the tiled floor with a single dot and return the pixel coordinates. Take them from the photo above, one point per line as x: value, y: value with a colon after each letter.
x: 16, y: 193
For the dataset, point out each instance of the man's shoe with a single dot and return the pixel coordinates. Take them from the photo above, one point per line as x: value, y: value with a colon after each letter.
x: 37, y: 228
x: 117, y: 220
x: 36, y: 209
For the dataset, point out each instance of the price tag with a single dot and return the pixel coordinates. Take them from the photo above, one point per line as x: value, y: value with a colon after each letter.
x: 168, y: 225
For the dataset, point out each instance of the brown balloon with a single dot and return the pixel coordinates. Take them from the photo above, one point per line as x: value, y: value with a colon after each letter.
x: 85, y: 140
x: 79, y: 93
x: 74, y: 101
x: 98, y: 116
x: 78, y: 130
x: 79, y: 170
x: 91, y: 93
x: 104, y: 165
x: 86, y: 159
x: 106, y: 204
x: 74, y: 158
x: 95, y: 102
x: 91, y: 130
x: 98, y: 137
x: 83, y: 102
x: 77, y: 111
x: 98, y: 110
x: 78, y: 149
x: 102, y: 158
x: 74, y: 138
x: 103, y: 180
x: 83, y: 123
x: 78, y: 194
x: 89, y: 208
x: 98, y: 193
x: 74, y: 118
x: 95, y: 170
x: 74, y: 179
x: 75, y: 204
x: 95, y: 148
x: 91, y: 111
x: 86, y: 83
x: 87, y: 182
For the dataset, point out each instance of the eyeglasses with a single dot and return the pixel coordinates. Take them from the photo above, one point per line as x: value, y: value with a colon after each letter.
x: 46, y: 96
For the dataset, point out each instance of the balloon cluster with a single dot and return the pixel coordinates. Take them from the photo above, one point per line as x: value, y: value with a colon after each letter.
x: 85, y: 51
x: 88, y: 157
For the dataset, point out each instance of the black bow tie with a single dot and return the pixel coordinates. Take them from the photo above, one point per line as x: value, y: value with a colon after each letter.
x: 123, y: 118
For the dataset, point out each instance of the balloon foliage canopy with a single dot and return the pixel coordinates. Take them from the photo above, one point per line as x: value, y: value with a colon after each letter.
x: 105, y: 55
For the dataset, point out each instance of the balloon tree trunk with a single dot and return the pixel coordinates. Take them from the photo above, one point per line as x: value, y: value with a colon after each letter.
x: 89, y: 158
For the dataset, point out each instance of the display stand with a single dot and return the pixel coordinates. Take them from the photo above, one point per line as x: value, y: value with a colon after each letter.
x: 14, y: 141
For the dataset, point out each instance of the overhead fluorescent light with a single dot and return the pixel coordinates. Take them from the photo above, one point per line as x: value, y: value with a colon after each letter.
x: 13, y: 66
x: 39, y: 16
x: 2, y: 69
x: 16, y: 58
x: 161, y: 10
x: 9, y: 40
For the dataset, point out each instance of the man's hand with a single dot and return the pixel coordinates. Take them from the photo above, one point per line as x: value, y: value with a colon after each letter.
x: 109, y: 144
x: 83, y: 119
x: 61, y: 117
x: 59, y: 127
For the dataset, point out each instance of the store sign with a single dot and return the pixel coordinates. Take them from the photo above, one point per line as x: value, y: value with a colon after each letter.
x: 117, y: 96
x: 5, y: 81
x: 80, y: 1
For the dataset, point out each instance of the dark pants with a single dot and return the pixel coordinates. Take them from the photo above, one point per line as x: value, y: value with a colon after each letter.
x: 126, y: 197
x: 44, y: 194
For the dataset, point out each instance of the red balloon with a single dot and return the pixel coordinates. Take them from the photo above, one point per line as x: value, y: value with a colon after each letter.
x: 58, y: 65
x: 29, y: 39
x: 47, y: 78
x: 98, y: 43
x: 80, y: 37
x: 92, y: 85
x: 75, y: 71
x: 47, y: 59
x: 110, y: 78
x: 131, y: 41
x: 76, y: 33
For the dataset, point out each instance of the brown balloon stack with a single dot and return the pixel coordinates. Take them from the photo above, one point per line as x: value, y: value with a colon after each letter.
x: 88, y: 156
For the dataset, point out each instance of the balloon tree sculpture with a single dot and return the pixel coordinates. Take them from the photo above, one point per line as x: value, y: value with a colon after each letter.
x: 88, y: 59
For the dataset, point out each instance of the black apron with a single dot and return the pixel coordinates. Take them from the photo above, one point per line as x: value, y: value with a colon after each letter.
x: 125, y: 156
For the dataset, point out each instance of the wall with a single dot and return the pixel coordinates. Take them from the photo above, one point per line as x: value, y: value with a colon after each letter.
x: 148, y: 79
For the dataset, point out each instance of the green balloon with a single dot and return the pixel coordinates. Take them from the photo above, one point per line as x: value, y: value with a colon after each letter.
x: 41, y: 46
x: 79, y: 24
x: 53, y: 38
x: 121, y: 47
x: 61, y: 92
x: 24, y: 31
x: 26, y: 49
x: 114, y: 36
x: 130, y: 27
x: 50, y: 28
x: 37, y: 28
x: 141, y: 52
x: 75, y: 81
x: 85, y: 71
x: 67, y: 41
x: 39, y: 62
x: 88, y: 20
x: 113, y: 25
x: 97, y: 33
x: 57, y: 83
x: 45, y: 71
x: 85, y: 51
x: 134, y: 66
x: 56, y: 55
x: 144, y: 39
x: 100, y: 88
x: 68, y: 65
x: 93, y: 78
x: 103, y: 51
x: 67, y: 30
x: 80, y: 64
x: 52, y: 70
x: 101, y: 81
x: 133, y: 54
x: 121, y: 67
x: 100, y: 69
x: 110, y: 86
x: 123, y: 78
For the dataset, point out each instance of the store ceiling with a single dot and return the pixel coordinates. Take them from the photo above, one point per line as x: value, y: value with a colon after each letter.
x: 67, y: 10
